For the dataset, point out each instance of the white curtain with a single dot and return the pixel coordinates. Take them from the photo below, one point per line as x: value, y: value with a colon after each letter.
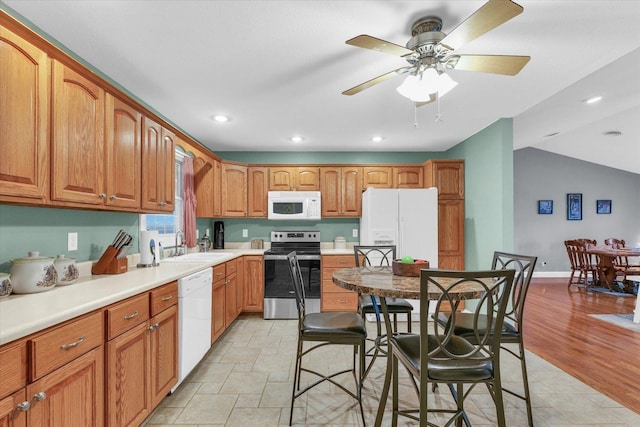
x: 190, y: 203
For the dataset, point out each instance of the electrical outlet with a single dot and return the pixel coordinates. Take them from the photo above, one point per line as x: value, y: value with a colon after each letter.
x: 354, y: 232
x: 197, y: 234
x: 72, y: 241
x: 245, y: 232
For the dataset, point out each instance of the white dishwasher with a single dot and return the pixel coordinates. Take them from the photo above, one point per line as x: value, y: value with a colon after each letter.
x: 194, y: 320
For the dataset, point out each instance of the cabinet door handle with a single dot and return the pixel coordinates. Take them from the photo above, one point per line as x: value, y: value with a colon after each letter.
x: 39, y: 397
x: 113, y: 197
x: 167, y: 298
x: 131, y: 316
x: 102, y: 195
x: 154, y: 326
x: 71, y: 345
x: 23, y: 407
x: 163, y: 204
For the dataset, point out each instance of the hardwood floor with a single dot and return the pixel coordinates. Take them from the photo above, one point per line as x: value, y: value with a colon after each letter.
x: 557, y: 327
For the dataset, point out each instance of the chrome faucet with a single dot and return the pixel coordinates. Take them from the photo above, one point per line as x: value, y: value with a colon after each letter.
x: 179, y: 250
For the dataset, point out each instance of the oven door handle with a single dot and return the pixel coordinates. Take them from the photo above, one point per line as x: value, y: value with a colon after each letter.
x: 284, y: 257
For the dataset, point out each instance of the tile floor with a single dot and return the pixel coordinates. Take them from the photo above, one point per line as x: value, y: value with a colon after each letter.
x: 245, y: 381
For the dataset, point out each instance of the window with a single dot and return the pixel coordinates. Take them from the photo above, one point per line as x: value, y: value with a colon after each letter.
x: 167, y: 224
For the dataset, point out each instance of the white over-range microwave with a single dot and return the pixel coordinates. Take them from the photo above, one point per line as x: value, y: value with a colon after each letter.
x: 297, y: 205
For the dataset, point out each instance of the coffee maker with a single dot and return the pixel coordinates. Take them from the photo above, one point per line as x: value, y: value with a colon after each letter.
x: 218, y: 235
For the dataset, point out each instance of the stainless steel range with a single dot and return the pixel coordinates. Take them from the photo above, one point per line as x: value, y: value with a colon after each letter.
x: 279, y: 298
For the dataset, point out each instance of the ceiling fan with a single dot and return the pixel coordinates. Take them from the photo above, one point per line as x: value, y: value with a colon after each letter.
x: 430, y: 52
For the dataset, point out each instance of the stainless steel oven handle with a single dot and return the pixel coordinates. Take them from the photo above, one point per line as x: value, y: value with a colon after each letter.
x: 284, y: 257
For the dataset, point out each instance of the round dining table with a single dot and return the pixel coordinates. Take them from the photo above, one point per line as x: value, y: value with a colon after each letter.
x: 381, y: 282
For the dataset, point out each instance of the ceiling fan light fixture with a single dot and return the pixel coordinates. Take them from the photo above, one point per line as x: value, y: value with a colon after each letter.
x: 445, y: 84
x: 419, y: 88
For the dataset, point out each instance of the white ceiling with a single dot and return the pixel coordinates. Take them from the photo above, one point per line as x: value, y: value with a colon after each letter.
x: 278, y: 69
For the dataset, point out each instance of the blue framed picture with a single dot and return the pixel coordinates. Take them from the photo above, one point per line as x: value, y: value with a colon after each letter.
x: 603, y: 206
x: 574, y: 206
x: 545, y: 207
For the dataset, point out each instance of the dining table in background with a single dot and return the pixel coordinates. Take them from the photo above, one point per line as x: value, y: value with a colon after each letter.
x: 381, y: 282
x: 606, y: 261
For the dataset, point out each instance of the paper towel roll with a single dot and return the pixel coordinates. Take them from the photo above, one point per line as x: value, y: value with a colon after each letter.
x: 149, y: 247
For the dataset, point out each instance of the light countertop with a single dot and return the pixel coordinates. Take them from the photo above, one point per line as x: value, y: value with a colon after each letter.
x: 22, y: 315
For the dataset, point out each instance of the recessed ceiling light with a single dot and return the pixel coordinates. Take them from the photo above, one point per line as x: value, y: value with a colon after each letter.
x: 612, y: 133
x: 592, y: 100
x: 296, y: 139
x: 377, y: 139
x: 220, y: 118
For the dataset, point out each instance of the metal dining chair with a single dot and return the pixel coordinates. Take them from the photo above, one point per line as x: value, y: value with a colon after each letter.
x: 467, y: 325
x: 442, y: 356
x: 326, y: 328
x: 379, y: 256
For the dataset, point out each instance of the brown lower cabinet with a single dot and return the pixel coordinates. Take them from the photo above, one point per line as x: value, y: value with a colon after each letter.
x: 142, y: 361
x: 253, y: 287
x: 335, y: 298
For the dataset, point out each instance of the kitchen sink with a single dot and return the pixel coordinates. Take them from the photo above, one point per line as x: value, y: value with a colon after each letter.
x: 198, y: 257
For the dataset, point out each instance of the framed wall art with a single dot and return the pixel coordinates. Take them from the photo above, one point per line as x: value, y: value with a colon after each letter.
x: 545, y: 207
x: 574, y: 206
x: 603, y: 206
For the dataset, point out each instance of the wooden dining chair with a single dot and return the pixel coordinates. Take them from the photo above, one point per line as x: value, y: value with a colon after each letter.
x: 582, y: 262
x: 379, y: 256
x: 621, y: 263
x: 322, y: 329
x: 465, y: 323
x: 442, y: 356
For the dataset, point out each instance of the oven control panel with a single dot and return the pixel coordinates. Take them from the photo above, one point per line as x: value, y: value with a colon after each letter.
x: 295, y: 236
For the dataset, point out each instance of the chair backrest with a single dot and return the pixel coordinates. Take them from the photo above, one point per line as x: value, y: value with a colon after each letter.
x: 441, y: 289
x: 572, y: 251
x: 620, y: 261
x: 374, y: 255
x: 523, y: 266
x: 297, y: 283
x: 579, y: 257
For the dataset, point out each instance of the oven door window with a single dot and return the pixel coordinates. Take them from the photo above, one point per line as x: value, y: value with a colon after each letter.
x: 278, y: 279
x: 287, y: 208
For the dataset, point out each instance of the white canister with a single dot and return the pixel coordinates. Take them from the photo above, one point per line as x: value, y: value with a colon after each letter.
x: 340, y: 242
x: 66, y: 270
x: 5, y: 285
x: 32, y: 274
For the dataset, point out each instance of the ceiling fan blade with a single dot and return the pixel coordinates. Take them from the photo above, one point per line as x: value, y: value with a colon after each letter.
x: 483, y: 20
x: 375, y: 81
x: 497, y: 64
x: 373, y: 43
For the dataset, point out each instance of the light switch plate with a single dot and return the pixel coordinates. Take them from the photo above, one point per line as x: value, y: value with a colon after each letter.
x: 354, y: 232
x: 72, y: 241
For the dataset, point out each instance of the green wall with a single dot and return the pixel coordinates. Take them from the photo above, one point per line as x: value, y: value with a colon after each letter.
x: 24, y: 229
x: 488, y: 180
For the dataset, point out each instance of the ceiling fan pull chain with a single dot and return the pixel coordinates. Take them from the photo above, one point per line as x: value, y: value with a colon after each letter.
x: 415, y: 115
x: 438, y: 115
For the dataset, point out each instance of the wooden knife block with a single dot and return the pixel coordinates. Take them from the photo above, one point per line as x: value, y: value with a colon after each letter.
x: 109, y: 264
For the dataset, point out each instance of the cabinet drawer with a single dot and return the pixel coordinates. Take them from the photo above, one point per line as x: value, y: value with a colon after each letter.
x: 329, y: 287
x: 127, y: 314
x: 63, y: 344
x: 13, y: 368
x: 340, y: 301
x: 163, y: 297
x: 231, y: 267
x: 338, y: 261
x: 219, y: 272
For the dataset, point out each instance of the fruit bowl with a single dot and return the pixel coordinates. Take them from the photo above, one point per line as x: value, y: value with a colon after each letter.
x: 410, y: 269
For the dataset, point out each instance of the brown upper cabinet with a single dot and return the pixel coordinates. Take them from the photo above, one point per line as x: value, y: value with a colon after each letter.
x: 234, y: 190
x: 447, y: 175
x: 77, y: 139
x: 158, y: 167
x: 217, y: 188
x: 258, y: 186
x: 122, y: 154
x: 24, y: 129
x: 294, y: 179
x: 377, y: 177
x: 341, y: 190
x: 408, y: 177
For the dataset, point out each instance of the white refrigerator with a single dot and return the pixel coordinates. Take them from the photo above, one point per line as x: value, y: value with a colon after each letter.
x: 407, y: 218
